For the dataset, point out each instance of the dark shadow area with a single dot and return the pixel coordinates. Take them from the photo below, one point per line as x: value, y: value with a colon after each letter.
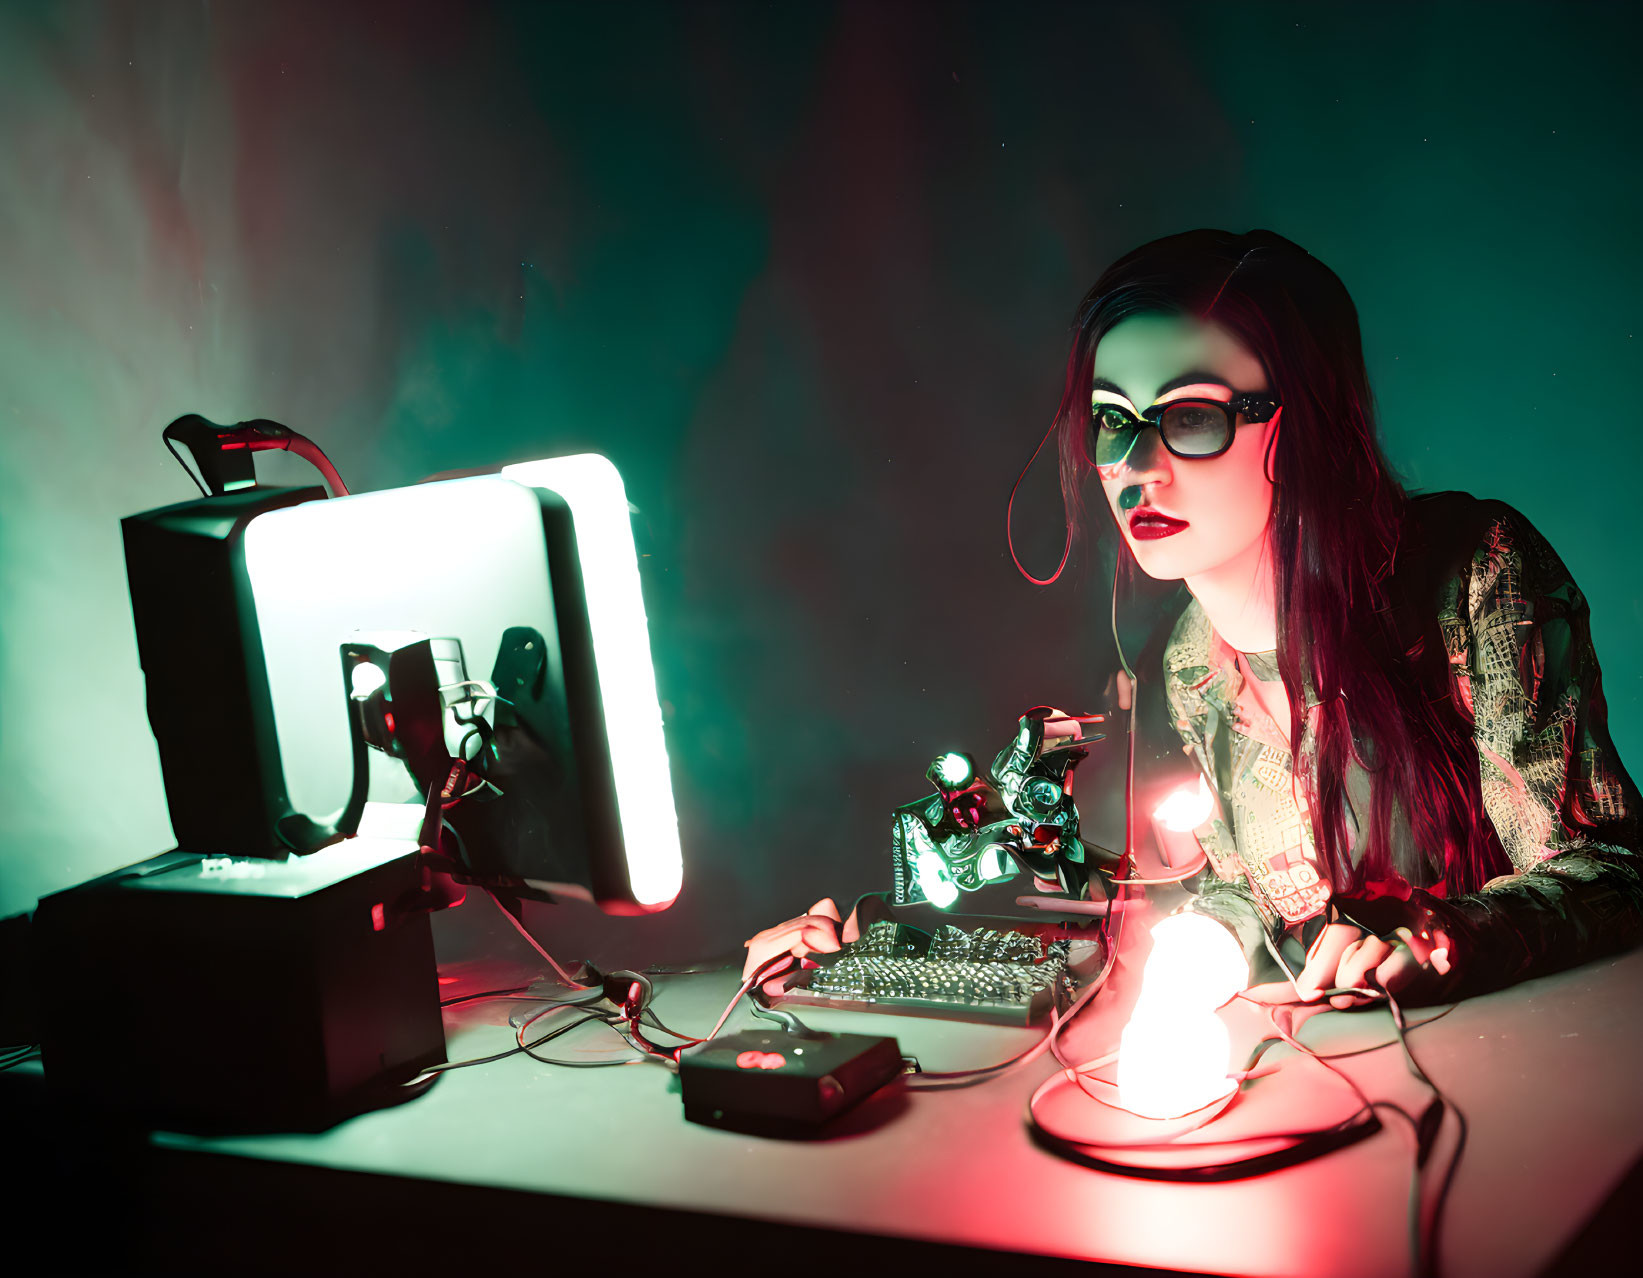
x: 1608, y: 1242
x: 169, y: 1212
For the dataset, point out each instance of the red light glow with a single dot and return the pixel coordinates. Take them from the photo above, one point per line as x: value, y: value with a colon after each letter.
x: 1186, y: 808
x: 1174, y: 1055
x: 379, y: 917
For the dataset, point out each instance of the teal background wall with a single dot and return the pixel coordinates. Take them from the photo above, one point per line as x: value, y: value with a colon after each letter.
x: 805, y: 272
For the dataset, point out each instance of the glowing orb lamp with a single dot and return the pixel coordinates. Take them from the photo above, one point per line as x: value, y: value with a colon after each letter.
x: 1174, y: 1056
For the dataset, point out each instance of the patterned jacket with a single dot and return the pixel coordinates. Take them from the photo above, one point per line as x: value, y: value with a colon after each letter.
x: 1498, y: 625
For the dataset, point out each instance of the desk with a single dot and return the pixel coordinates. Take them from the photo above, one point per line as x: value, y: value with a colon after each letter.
x: 552, y: 1160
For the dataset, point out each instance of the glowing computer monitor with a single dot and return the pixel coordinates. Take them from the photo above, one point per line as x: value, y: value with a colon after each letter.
x: 244, y: 601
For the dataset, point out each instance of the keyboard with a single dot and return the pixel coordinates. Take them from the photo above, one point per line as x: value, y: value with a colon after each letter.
x: 989, y: 976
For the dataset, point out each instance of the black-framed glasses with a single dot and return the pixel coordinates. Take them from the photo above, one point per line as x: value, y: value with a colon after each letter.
x: 1190, y: 428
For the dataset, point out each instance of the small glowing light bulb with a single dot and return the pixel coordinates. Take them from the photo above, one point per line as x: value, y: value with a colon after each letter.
x: 366, y: 679
x: 953, y: 769
x: 1186, y: 809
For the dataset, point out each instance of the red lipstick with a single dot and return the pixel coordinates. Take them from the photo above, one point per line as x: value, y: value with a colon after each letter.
x: 1148, y: 524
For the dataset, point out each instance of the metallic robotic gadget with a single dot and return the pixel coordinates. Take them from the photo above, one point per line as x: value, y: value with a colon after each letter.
x: 985, y: 827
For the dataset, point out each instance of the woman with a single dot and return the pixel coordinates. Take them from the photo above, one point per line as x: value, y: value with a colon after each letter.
x: 1456, y: 817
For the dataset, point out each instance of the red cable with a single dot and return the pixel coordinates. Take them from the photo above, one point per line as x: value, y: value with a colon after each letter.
x: 1010, y: 540
x: 310, y: 452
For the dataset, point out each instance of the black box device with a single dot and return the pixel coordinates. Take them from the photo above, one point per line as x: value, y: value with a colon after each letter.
x: 781, y: 1084
x: 240, y: 992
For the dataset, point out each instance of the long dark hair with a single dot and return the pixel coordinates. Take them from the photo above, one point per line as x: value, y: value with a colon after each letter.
x: 1337, y: 517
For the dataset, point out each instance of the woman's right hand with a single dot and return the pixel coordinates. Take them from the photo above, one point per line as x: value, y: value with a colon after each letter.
x: 819, y: 931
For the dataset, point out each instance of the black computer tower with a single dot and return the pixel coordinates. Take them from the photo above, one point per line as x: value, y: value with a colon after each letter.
x: 240, y: 993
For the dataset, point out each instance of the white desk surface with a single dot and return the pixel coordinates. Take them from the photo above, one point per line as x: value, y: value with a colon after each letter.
x: 1543, y: 1073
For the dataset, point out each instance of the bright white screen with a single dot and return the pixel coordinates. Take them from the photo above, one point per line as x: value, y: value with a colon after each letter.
x: 593, y: 490
x: 462, y: 558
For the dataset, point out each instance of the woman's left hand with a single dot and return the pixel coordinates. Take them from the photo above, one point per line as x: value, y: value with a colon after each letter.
x: 1346, y: 957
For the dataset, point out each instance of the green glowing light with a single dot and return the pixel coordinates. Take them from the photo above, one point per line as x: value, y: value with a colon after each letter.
x: 953, y: 769
x: 934, y: 880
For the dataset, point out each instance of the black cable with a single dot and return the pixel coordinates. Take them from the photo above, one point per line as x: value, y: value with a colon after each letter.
x: 645, y: 1015
x: 461, y: 751
x: 520, y: 992
x: 517, y: 1048
x: 591, y: 1016
x: 1303, y: 1146
x: 609, y: 1019
x: 461, y: 846
x: 654, y: 1021
x: 1426, y: 1139
x: 204, y: 491
x: 1381, y: 1047
x: 477, y: 1060
x: 1422, y: 1243
x: 474, y: 998
x: 1425, y: 1256
x: 1418, y: 1256
x: 479, y: 763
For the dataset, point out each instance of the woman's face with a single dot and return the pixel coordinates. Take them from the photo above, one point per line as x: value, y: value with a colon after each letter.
x: 1226, y: 500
